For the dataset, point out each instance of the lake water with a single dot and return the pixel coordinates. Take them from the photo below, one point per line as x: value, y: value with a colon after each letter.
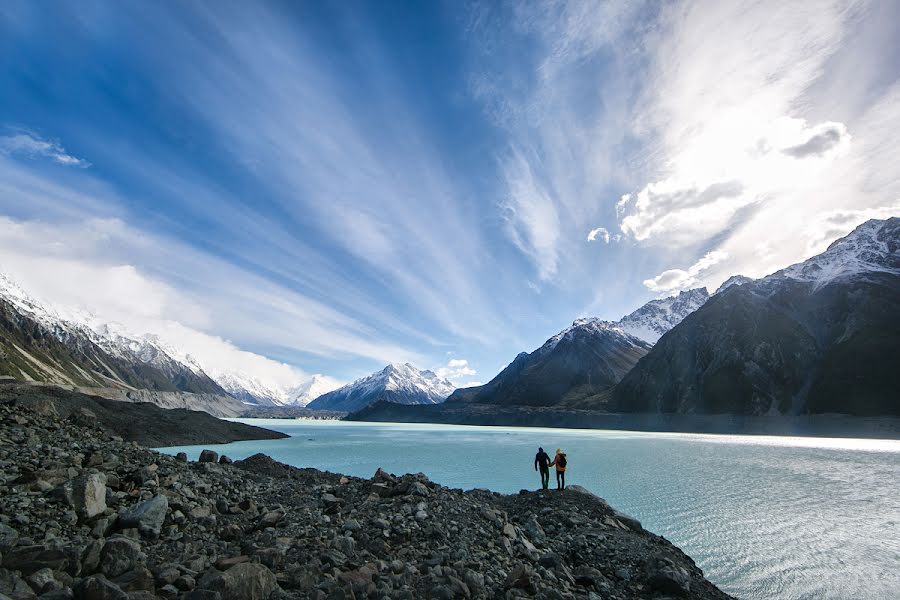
x: 764, y: 517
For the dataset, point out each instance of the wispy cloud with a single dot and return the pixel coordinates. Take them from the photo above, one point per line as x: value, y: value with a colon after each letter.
x: 26, y: 143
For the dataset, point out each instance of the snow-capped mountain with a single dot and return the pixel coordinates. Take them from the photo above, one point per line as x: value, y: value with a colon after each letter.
x: 398, y: 383
x: 311, y: 389
x: 821, y: 336
x: 142, y: 361
x: 67, y: 346
x: 655, y: 318
x: 250, y: 390
x: 873, y: 247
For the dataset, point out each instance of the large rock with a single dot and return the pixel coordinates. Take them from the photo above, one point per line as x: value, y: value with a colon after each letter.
x: 98, y: 587
x: 147, y: 516
x: 209, y: 456
x: 29, y: 559
x: 8, y: 537
x: 245, y: 581
x: 86, y: 494
x: 89, y: 495
x: 120, y: 555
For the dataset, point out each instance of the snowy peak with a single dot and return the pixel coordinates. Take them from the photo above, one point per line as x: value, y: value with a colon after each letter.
x: 657, y: 317
x: 400, y: 383
x: 874, y: 246
x: 311, y: 389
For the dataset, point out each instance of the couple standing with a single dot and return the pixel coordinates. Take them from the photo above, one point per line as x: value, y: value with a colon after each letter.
x: 542, y: 461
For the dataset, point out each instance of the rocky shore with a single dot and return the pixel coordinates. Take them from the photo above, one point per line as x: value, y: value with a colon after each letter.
x: 86, y: 515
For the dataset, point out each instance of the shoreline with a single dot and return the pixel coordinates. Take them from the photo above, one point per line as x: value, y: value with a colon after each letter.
x: 117, y: 518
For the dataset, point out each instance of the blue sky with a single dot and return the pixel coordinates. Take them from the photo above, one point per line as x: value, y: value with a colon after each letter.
x: 338, y: 185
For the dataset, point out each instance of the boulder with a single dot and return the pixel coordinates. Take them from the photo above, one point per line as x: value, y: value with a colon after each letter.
x: 147, y: 516
x: 181, y: 457
x: 270, y: 519
x: 120, y: 555
x: 89, y: 495
x: 43, y: 581
x: 245, y: 581
x: 8, y: 537
x: 209, y: 456
x: 520, y: 577
x: 14, y: 587
x: 32, y: 558
x: 671, y: 579
x: 98, y: 587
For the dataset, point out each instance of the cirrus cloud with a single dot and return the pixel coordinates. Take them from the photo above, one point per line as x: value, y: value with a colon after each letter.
x: 29, y: 144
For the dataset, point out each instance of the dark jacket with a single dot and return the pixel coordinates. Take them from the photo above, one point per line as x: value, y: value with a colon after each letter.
x: 542, y: 460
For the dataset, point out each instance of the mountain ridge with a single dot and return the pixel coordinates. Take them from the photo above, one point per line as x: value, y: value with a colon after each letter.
x: 397, y: 383
x: 819, y: 336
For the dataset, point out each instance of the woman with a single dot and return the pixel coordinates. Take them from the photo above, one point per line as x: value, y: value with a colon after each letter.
x: 560, y: 461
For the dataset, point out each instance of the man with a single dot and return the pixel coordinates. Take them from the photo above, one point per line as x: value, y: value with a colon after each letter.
x: 560, y: 462
x: 542, y: 460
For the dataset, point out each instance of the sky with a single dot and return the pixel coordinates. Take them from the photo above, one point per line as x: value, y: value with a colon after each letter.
x: 289, y: 188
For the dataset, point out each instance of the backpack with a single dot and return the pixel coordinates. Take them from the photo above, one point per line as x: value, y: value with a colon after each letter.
x: 562, y: 461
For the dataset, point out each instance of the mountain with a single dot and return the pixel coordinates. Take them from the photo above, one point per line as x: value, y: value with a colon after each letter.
x: 251, y: 390
x: 398, y: 383
x: 655, y: 318
x: 42, y: 344
x: 733, y: 280
x: 311, y: 389
x: 821, y: 336
x: 584, y: 360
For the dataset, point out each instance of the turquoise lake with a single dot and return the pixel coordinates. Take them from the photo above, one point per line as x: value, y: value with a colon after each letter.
x: 764, y: 517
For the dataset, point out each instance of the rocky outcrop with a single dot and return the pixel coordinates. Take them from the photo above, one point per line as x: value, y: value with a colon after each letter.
x: 261, y: 530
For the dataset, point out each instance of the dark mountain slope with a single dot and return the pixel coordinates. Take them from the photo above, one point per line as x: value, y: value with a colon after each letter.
x: 589, y: 357
x: 820, y: 336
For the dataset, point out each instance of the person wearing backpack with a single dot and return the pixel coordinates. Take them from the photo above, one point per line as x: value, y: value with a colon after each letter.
x: 560, y: 461
x: 542, y: 460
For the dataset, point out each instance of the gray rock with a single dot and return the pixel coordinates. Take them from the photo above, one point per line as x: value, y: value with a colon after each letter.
x: 147, y: 516
x: 32, y: 558
x: 120, y: 555
x: 43, y: 581
x: 246, y: 581
x: 97, y: 587
x: 137, y: 579
x: 209, y: 456
x: 14, y: 587
x: 520, y: 577
x: 671, y: 579
x: 89, y: 495
x: 8, y: 537
x: 270, y: 519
